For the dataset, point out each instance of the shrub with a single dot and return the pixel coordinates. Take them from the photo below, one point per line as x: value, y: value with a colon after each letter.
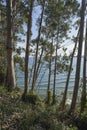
x: 48, y: 99
x: 81, y: 121
x: 31, y: 97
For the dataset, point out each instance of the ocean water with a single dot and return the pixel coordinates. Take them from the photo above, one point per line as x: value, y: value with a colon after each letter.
x: 42, y: 81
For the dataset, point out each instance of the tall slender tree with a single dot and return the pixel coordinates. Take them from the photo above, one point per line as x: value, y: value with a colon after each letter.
x: 37, y: 47
x: 77, y: 77
x: 29, y: 26
x: 68, y: 76
x: 54, y: 13
x: 10, y: 82
x: 55, y: 70
x: 83, y: 97
x: 2, y: 43
x: 49, y: 75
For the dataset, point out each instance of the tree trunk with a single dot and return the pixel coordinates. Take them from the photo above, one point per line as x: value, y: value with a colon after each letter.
x: 54, y: 84
x: 83, y: 98
x: 68, y: 76
x: 49, y: 76
x: 38, y: 66
x: 77, y: 78
x: 29, y: 25
x: 10, y: 81
x: 37, y: 46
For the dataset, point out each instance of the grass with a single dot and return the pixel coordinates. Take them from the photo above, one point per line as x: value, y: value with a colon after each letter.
x: 18, y: 115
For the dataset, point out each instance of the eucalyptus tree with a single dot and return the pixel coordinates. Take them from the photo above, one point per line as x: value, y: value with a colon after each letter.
x: 59, y: 23
x: 69, y: 72
x: 29, y: 26
x: 40, y: 59
x: 10, y: 61
x: 2, y: 23
x: 14, y: 28
x: 50, y: 71
x: 2, y: 42
x: 37, y: 47
x: 77, y: 77
x: 83, y: 97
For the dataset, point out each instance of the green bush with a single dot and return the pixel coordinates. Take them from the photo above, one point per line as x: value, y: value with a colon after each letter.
x: 2, y: 78
x: 29, y: 120
x: 3, y: 90
x: 48, y: 99
x: 82, y: 121
x: 31, y: 97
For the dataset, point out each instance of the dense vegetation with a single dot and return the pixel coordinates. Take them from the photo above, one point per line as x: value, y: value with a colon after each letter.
x: 36, y: 114
x: 24, y: 109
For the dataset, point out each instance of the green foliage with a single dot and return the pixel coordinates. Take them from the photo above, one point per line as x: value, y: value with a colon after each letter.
x: 72, y: 128
x: 19, y: 61
x: 48, y: 99
x: 3, y: 90
x: 81, y: 121
x: 32, y: 119
x: 31, y: 97
x: 33, y: 114
x: 2, y: 78
x: 29, y: 120
x: 2, y: 63
x: 17, y: 115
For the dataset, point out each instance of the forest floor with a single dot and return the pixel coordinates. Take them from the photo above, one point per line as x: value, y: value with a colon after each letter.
x: 18, y: 115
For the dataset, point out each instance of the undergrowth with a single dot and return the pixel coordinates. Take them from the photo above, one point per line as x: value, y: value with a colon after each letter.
x: 34, y: 114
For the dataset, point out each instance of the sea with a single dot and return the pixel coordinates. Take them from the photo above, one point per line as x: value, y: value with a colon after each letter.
x: 42, y: 80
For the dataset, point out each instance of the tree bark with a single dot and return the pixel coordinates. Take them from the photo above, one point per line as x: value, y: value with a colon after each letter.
x: 77, y: 77
x: 83, y: 98
x: 37, y: 46
x: 55, y: 68
x: 68, y: 76
x: 10, y: 81
x: 49, y: 76
x: 39, y: 62
x: 29, y: 25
